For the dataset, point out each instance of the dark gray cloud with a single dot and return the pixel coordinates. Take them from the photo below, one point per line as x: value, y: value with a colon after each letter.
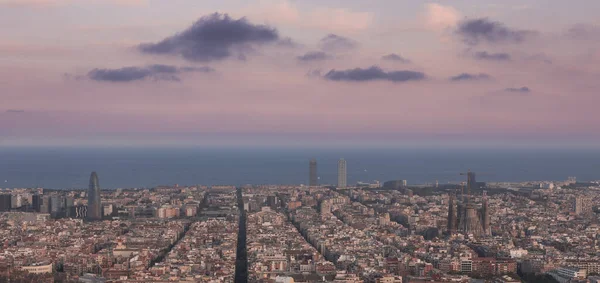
x: 15, y: 111
x: 518, y: 90
x: 372, y: 74
x: 484, y: 55
x: 395, y: 57
x: 314, y: 56
x: 333, y: 42
x: 213, y: 37
x: 480, y: 30
x: 471, y: 77
x: 288, y: 42
x: 155, y: 72
x: 583, y: 32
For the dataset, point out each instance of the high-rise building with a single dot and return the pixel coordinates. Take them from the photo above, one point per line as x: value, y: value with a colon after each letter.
x: 342, y: 179
x: 36, y: 202
x: 313, y: 179
x: 452, y: 220
x: 5, y: 202
x: 582, y: 205
x: 55, y: 205
x: 94, y: 211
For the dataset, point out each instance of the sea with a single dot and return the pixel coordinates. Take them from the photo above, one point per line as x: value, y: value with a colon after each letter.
x: 70, y: 168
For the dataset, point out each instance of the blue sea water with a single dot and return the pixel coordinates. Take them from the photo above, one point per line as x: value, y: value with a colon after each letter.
x: 60, y: 168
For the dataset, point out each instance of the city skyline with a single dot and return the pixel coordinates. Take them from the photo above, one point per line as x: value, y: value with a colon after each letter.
x: 409, y: 73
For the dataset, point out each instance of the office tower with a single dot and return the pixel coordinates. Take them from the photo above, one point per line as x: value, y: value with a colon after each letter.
x: 404, y: 183
x: 451, y: 215
x: 342, y: 173
x: 55, y: 205
x: 45, y: 204
x: 5, y: 202
x: 69, y: 203
x: 313, y: 179
x: 94, y: 211
x: 582, y: 205
x: 36, y: 202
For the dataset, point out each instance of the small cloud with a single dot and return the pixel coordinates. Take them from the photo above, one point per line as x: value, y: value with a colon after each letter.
x: 314, y: 56
x: 471, y: 77
x: 373, y: 73
x: 395, y: 57
x: 518, y: 90
x: 156, y: 72
x: 484, y: 55
x: 439, y: 17
x: 480, y: 30
x: 314, y: 73
x: 203, y: 69
x: 333, y: 42
x: 583, y: 32
x: 288, y: 42
x: 15, y: 111
x: 212, y: 38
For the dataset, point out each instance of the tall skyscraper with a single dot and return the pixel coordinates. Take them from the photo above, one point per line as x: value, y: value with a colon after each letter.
x: 5, y: 202
x: 313, y: 179
x: 342, y: 179
x: 94, y: 211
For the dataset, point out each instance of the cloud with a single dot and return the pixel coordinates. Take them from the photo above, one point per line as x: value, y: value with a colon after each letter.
x: 156, y: 72
x: 15, y: 111
x: 471, y: 77
x: 213, y: 37
x: 286, y: 12
x: 480, y: 30
x: 484, y: 55
x: 395, y: 57
x: 518, y: 90
x: 314, y: 56
x: 333, y: 42
x: 340, y: 19
x: 49, y: 3
x: 583, y: 32
x: 314, y: 73
x: 288, y: 42
x: 373, y: 73
x: 439, y: 17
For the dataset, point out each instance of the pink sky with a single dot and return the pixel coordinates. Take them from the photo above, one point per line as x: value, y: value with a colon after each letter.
x: 49, y: 96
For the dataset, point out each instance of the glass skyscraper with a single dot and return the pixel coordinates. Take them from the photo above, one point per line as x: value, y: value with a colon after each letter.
x: 342, y: 174
x: 94, y: 211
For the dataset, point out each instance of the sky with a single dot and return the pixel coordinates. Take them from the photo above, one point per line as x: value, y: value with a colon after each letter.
x: 299, y: 73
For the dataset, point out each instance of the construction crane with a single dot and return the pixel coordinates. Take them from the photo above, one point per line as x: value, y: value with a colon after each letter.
x: 471, y: 181
x: 470, y: 177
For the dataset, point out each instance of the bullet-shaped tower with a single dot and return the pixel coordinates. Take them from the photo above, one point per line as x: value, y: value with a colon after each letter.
x: 94, y: 211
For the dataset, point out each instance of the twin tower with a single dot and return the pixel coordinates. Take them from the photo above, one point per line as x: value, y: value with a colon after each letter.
x: 313, y: 179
